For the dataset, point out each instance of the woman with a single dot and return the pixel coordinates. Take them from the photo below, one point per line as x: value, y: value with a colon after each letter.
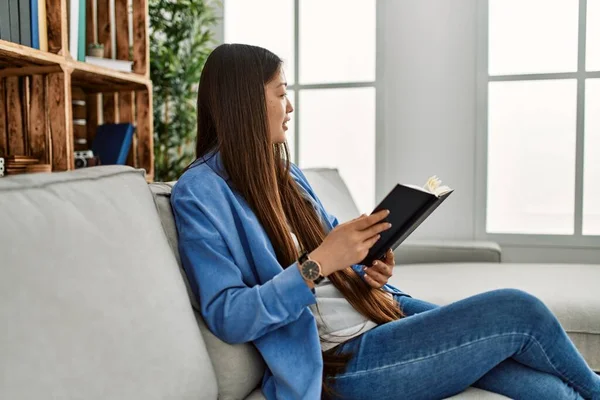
x: 270, y: 266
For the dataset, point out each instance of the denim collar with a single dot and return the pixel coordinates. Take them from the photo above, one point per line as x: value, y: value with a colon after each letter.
x: 214, y: 160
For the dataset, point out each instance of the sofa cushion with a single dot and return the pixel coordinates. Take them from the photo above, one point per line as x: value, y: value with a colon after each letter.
x: 569, y: 290
x: 444, y: 251
x: 239, y: 368
x: 469, y: 394
x: 333, y: 192
x: 92, y: 302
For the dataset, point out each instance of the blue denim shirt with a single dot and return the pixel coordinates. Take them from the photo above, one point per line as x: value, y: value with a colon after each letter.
x: 245, y: 295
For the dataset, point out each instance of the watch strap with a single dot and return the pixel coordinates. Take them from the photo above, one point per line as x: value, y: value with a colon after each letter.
x: 303, y: 257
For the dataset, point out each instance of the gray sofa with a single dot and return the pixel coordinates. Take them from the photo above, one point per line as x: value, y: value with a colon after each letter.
x: 94, y: 305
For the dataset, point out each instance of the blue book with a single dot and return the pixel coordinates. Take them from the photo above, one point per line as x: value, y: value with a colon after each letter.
x: 112, y: 143
x: 35, y: 33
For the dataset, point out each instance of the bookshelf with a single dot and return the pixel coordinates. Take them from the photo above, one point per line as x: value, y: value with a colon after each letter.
x: 45, y: 94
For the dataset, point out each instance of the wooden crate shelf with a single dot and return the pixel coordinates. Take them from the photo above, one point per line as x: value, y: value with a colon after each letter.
x: 37, y: 88
x: 14, y: 55
x: 17, y: 60
x: 95, y: 79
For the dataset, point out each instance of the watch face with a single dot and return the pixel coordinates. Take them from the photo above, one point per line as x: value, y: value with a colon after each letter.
x: 310, y: 270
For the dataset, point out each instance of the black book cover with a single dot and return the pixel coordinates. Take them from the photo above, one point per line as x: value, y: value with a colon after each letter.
x: 4, y: 20
x: 409, y: 207
x: 25, y: 22
x: 13, y: 6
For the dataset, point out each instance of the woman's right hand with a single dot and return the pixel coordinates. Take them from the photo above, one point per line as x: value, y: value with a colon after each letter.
x: 349, y: 243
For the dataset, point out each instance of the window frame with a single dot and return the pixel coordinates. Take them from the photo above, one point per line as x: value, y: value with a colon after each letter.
x: 297, y: 87
x: 577, y: 240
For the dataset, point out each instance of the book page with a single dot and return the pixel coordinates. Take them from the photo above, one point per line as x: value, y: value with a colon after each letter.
x: 433, y: 186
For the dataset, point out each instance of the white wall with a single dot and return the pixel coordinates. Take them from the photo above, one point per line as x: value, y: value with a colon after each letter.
x: 426, y: 105
x: 426, y: 115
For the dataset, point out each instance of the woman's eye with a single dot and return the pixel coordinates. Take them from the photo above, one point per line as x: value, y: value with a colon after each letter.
x: 283, y: 95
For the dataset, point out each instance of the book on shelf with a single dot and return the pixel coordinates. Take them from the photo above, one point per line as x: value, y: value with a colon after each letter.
x: 13, y: 11
x: 35, y: 34
x: 73, y: 27
x: 42, y: 25
x: 81, y: 33
x: 4, y: 20
x: 119, y: 65
x: 112, y: 143
x: 409, y: 206
x: 25, y: 22
x: 21, y: 164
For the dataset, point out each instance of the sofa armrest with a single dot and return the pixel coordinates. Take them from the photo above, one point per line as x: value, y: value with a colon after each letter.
x: 420, y: 252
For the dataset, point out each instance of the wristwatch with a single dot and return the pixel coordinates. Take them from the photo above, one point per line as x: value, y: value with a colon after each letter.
x: 310, y: 269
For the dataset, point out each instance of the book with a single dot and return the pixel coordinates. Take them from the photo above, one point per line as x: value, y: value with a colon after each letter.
x: 119, y: 65
x: 19, y: 164
x: 81, y: 39
x: 112, y: 143
x: 42, y: 25
x: 25, y: 22
x: 13, y: 10
x: 73, y: 28
x: 4, y: 20
x: 409, y: 206
x: 18, y: 158
x: 35, y: 34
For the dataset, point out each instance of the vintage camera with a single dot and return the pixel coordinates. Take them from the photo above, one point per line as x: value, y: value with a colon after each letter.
x: 86, y: 158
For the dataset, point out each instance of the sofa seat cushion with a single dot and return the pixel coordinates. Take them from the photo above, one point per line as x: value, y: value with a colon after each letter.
x: 91, y: 300
x: 469, y: 394
x: 569, y: 290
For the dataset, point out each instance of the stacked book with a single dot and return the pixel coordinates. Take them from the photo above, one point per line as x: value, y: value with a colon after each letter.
x: 118, y: 65
x: 24, y: 22
x: 17, y: 164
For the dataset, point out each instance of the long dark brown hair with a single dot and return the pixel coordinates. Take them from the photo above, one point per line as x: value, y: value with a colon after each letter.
x: 232, y: 118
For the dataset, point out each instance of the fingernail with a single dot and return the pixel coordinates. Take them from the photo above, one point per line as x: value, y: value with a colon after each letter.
x: 365, y: 268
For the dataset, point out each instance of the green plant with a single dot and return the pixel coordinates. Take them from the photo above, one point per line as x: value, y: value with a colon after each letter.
x: 182, y: 37
x: 96, y: 50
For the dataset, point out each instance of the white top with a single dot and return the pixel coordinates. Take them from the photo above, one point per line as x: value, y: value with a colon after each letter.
x: 337, y: 320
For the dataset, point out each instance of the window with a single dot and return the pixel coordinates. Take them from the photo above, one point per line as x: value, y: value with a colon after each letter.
x: 540, y: 123
x: 328, y: 50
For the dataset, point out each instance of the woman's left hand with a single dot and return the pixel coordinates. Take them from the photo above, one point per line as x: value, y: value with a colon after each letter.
x: 380, y: 272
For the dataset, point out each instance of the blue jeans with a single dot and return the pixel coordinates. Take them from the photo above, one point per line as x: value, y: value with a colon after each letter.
x: 504, y: 341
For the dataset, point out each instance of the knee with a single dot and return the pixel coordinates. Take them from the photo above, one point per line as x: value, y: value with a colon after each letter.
x: 516, y: 298
x: 521, y: 304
